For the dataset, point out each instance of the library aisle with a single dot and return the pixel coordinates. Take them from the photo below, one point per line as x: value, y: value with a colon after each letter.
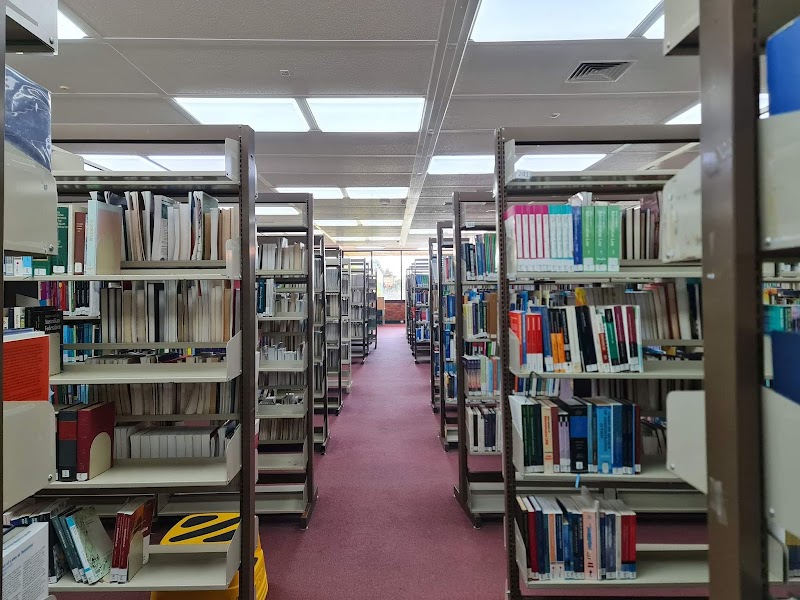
x: 386, y: 524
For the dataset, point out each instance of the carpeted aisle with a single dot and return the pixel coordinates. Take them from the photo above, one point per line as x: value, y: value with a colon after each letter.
x: 386, y: 524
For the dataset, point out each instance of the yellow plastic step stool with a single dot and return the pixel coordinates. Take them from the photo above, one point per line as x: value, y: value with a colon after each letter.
x: 213, y: 528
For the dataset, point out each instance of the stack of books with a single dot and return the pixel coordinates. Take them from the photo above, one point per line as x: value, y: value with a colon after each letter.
x: 480, y: 314
x: 281, y: 430
x: 140, y: 441
x: 576, y: 537
x: 483, y: 375
x: 448, y: 269
x: 277, y: 254
x: 484, y: 428
x: 418, y: 281
x: 576, y: 435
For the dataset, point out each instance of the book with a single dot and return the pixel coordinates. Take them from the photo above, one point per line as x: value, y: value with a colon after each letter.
x: 131, y: 538
x: 103, y: 238
x: 25, y: 565
x: 93, y: 544
x: 95, y: 432
x: 26, y: 366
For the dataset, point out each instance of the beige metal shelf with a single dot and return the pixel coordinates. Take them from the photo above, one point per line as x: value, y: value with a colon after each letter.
x: 281, y: 411
x: 653, y: 369
x: 29, y: 430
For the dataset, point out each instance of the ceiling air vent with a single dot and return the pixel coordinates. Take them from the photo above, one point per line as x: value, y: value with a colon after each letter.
x: 600, y: 70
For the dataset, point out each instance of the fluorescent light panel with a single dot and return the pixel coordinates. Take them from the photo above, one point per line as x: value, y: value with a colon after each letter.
x: 284, y: 211
x: 550, y: 163
x: 336, y: 222
x: 693, y: 114
x: 68, y: 30
x: 190, y: 163
x: 381, y: 222
x: 368, y: 193
x: 364, y: 115
x: 262, y: 114
x: 543, y: 20
x: 122, y: 162
x: 319, y: 193
x: 476, y: 164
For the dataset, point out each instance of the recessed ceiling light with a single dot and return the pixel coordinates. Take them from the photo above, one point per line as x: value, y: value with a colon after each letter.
x: 549, y: 163
x: 381, y: 222
x: 476, y: 164
x: 319, y: 193
x: 190, y: 163
x: 656, y: 31
x: 262, y: 114
x: 542, y: 20
x: 336, y: 222
x: 122, y: 162
x: 422, y: 231
x: 276, y: 210
x: 68, y: 30
x: 355, y: 115
x: 366, y: 193
x: 690, y: 116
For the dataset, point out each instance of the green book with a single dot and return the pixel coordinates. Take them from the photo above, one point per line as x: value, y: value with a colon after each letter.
x: 614, y: 237
x: 41, y: 266
x: 611, y: 340
x: 601, y: 238
x: 62, y: 230
x: 587, y: 225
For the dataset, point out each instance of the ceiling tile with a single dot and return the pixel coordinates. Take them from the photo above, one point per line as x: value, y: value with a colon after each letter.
x: 68, y: 108
x: 360, y: 180
x: 337, y: 144
x: 87, y: 67
x: 465, y: 142
x: 243, y: 68
x: 303, y: 165
x: 533, y: 111
x: 256, y: 19
x: 542, y: 68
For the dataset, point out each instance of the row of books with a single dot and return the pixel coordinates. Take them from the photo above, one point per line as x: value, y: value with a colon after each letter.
x: 448, y: 307
x: 138, y: 441
x: 480, y: 314
x: 576, y: 435
x: 484, y: 429
x: 155, y: 398
x: 78, y: 541
x: 272, y: 302
x: 332, y: 277
x: 287, y: 350
x: 480, y: 257
x: 649, y: 394
x: 420, y: 297
x: 419, y: 281
x: 281, y: 430
x: 75, y: 298
x: 168, y: 311
x: 448, y: 269
x: 781, y: 317
x: 576, y: 537
x: 483, y: 375
x: 533, y: 385
x: 575, y: 339
x: 278, y: 254
x: 421, y: 332
x: 269, y: 381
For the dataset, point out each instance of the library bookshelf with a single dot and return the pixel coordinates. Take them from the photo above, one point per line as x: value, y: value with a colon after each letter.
x: 441, y: 288
x: 322, y: 365
x: 433, y: 293
x: 347, y: 329
x: 359, y: 308
x: 418, y: 309
x: 335, y: 326
x: 225, y: 477
x: 285, y: 484
x: 372, y: 309
x: 657, y: 487
x: 479, y: 492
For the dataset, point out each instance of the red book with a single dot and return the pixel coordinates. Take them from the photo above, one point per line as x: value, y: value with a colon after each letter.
x: 622, y: 342
x: 79, y: 249
x: 26, y: 367
x: 95, y: 436
x: 533, y: 541
x: 516, y: 326
x: 633, y: 338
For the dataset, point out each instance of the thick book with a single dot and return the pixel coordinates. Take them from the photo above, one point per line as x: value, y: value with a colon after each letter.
x: 95, y: 433
x: 92, y: 543
x: 103, y: 238
x: 26, y: 366
x: 24, y: 563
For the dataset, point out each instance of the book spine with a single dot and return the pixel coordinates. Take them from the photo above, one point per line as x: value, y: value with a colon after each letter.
x: 601, y: 238
x: 88, y: 574
x: 90, y: 254
x: 578, y: 438
x: 605, y: 442
x: 62, y: 233
x: 618, y: 439
x: 588, y: 235
x: 614, y: 237
x: 577, y: 238
x: 547, y: 439
x: 73, y: 560
x: 538, y: 445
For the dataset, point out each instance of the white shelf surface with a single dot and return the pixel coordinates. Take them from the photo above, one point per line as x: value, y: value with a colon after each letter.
x: 286, y: 317
x: 137, y: 275
x: 646, y: 271
x: 653, y: 369
x: 281, y: 366
x: 100, y: 374
x: 29, y: 430
x: 280, y: 411
x: 173, y: 568
x: 654, y: 470
x: 282, y: 461
x: 280, y: 273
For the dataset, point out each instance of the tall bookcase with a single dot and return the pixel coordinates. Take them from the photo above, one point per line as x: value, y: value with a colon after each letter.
x: 322, y: 307
x: 479, y: 492
x: 372, y: 309
x: 433, y: 258
x: 359, y: 308
x: 418, y: 310
x: 657, y: 489
x: 347, y: 330
x: 738, y: 443
x: 285, y: 484
x: 171, y: 480
x: 335, y: 319
x: 443, y: 333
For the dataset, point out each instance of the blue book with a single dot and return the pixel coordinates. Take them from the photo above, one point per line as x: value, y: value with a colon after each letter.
x: 783, y: 69
x: 577, y: 238
x: 591, y: 444
x: 617, y: 421
x: 605, y: 433
x: 785, y: 374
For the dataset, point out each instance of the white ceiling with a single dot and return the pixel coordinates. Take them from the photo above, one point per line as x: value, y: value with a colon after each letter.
x: 142, y: 53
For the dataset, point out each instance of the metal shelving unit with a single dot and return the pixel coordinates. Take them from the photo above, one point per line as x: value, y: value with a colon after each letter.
x: 359, y: 273
x: 334, y: 323
x: 433, y: 258
x: 548, y: 186
x: 347, y: 329
x: 285, y: 484
x: 445, y: 404
x: 321, y: 405
x: 417, y: 313
x: 372, y: 310
x: 480, y: 493
x: 222, y: 478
